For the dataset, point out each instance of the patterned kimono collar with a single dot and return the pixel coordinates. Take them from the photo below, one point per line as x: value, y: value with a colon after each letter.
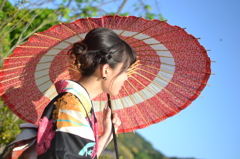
x: 82, y: 94
x: 73, y: 87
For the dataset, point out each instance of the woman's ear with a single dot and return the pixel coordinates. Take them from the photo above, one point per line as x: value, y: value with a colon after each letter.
x: 104, y: 70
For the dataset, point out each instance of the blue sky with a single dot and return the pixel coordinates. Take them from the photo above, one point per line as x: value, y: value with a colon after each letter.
x: 211, y: 128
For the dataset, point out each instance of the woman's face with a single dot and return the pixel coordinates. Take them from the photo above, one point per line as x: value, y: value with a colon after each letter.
x: 114, y: 82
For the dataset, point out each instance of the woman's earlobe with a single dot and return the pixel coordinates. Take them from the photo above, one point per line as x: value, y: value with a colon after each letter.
x: 104, y: 70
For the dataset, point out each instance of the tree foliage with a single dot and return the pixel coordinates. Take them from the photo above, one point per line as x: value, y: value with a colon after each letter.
x: 134, y: 146
x: 16, y: 25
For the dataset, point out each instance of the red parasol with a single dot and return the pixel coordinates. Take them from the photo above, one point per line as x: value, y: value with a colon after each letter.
x: 172, y: 69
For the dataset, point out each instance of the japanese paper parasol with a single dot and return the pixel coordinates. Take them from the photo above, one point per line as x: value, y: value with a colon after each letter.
x: 172, y: 69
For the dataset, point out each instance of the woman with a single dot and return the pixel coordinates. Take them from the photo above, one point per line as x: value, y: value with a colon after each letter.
x: 68, y: 127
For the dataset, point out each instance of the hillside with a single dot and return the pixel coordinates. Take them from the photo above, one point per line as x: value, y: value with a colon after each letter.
x: 133, y: 146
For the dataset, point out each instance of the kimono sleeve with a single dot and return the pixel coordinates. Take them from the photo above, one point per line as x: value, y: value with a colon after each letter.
x: 74, y: 137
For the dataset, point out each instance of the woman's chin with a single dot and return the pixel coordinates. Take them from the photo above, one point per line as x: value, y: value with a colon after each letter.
x: 114, y: 93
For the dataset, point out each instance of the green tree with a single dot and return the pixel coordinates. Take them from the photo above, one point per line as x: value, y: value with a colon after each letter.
x: 16, y: 25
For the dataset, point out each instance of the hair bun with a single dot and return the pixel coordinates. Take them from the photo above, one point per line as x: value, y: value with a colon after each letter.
x: 77, y: 51
x: 79, y: 48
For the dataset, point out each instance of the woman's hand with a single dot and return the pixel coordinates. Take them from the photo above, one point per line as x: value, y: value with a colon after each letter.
x: 107, y: 121
x: 107, y: 126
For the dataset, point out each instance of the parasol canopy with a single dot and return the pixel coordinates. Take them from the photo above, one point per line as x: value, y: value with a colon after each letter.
x: 172, y: 69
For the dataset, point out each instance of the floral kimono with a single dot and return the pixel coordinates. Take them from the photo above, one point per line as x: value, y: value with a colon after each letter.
x: 68, y: 127
x: 66, y: 130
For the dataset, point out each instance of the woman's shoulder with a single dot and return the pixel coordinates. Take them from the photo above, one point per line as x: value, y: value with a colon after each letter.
x: 70, y: 101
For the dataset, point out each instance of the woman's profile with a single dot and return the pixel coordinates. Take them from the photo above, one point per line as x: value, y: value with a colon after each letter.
x: 68, y: 127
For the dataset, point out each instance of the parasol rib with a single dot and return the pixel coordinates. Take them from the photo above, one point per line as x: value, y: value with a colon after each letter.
x: 7, y: 91
x: 43, y: 47
x: 39, y: 105
x: 171, y: 50
x: 26, y: 83
x: 33, y: 56
x: 152, y: 37
x: 162, y: 101
x: 71, y: 31
x: 31, y: 64
x: 11, y: 69
x: 160, y: 86
x: 130, y: 25
x: 43, y: 82
x: 30, y: 90
x: 145, y: 100
x: 132, y: 69
x: 33, y: 97
x: 161, y: 43
x: 7, y: 80
x: 110, y: 24
x: 24, y: 74
x: 175, y: 73
x: 145, y: 30
x: 89, y: 24
x: 173, y: 57
x: 189, y: 69
x: 50, y: 37
x: 186, y: 68
x: 75, y: 70
x: 175, y: 66
x: 206, y: 60
x: 125, y: 111
x: 167, y: 79
x: 135, y: 105
x: 51, y: 61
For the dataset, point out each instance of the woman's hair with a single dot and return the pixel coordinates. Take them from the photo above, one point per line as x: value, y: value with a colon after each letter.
x: 102, y: 46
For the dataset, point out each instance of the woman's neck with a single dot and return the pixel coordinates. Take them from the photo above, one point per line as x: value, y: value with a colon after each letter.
x: 92, y: 85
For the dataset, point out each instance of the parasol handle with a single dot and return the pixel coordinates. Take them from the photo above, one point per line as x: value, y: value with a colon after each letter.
x: 113, y: 129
